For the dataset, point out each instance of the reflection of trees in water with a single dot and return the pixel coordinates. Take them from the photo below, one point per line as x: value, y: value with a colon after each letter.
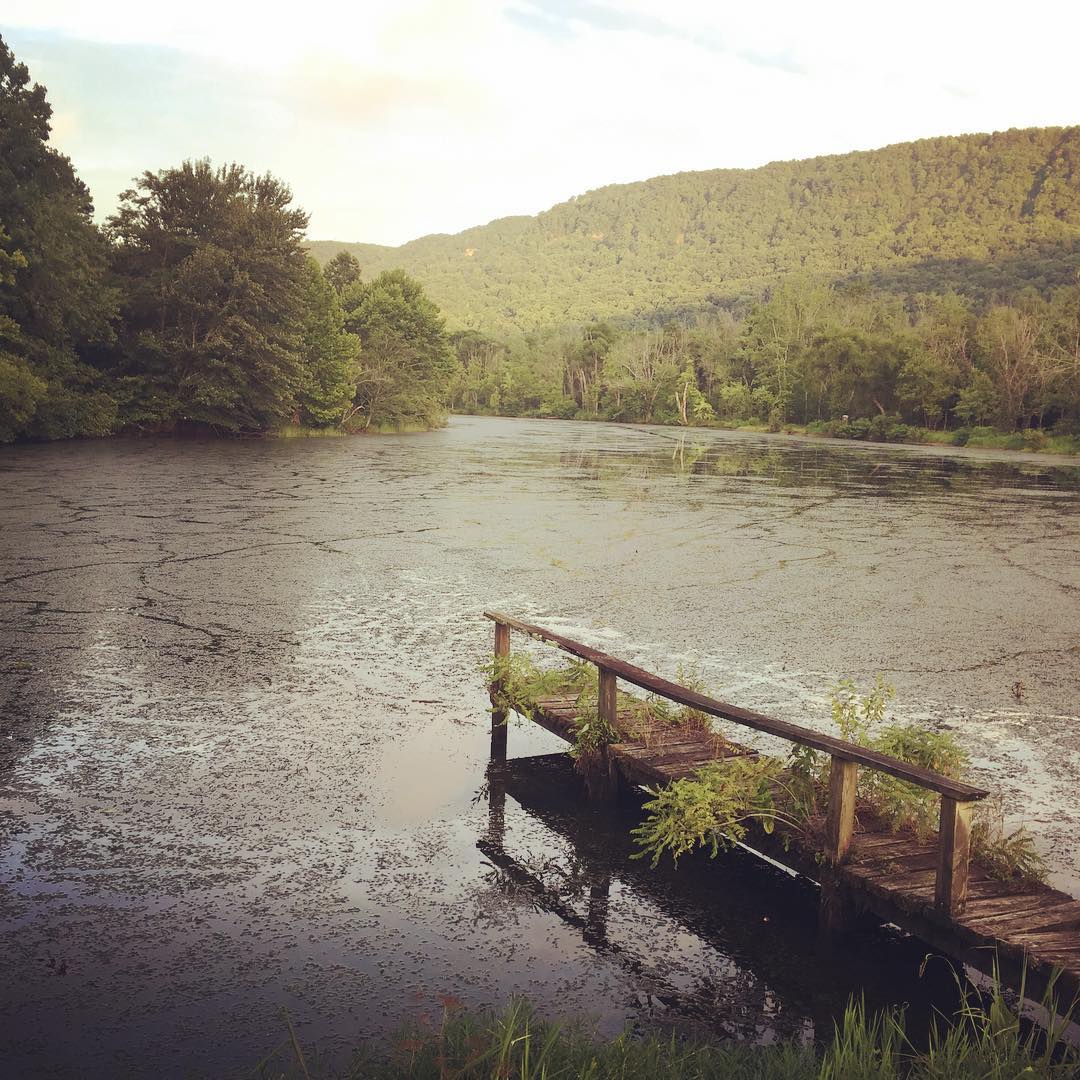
x: 863, y: 470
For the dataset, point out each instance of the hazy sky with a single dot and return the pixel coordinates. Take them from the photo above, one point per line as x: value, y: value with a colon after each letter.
x: 403, y: 117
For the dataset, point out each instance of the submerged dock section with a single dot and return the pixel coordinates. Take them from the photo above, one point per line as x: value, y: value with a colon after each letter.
x: 930, y: 887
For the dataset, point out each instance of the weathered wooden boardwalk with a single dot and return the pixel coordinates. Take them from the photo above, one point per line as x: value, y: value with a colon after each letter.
x: 930, y: 887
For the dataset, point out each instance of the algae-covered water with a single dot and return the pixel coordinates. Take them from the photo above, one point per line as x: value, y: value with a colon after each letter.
x: 243, y: 734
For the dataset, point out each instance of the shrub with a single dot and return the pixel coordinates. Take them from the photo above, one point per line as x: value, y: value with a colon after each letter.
x: 733, y: 401
x: 762, y: 402
x: 848, y: 429
x: 710, y: 810
x: 714, y: 808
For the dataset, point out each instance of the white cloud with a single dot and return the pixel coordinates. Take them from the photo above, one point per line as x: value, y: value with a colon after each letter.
x: 394, y: 120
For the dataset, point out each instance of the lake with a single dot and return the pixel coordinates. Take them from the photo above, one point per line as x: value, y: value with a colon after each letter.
x: 244, y: 733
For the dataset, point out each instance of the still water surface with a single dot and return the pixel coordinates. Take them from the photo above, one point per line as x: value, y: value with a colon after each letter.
x: 243, y: 737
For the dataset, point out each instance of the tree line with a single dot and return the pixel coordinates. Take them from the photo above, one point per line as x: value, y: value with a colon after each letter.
x: 197, y: 305
x: 844, y: 357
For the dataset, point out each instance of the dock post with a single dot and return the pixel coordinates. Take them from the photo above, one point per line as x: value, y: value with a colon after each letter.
x: 954, y: 851
x: 840, y: 826
x: 496, y: 793
x: 835, y: 913
x: 498, y: 716
x: 599, y: 901
x: 603, y: 783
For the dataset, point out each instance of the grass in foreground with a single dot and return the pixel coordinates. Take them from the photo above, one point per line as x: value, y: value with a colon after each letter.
x: 985, y: 1040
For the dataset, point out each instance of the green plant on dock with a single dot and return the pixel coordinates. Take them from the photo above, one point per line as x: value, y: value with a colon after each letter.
x: 591, y: 731
x: 859, y: 717
x: 713, y: 809
x: 518, y: 683
x: 1008, y: 854
x: 806, y: 786
x: 856, y: 716
x: 687, y: 717
x: 652, y: 711
x: 699, y: 811
x: 904, y: 805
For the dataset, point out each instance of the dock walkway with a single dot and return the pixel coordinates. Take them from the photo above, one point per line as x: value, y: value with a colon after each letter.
x: 930, y: 887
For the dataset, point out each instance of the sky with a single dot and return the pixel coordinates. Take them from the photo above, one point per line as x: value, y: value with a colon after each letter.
x: 393, y: 119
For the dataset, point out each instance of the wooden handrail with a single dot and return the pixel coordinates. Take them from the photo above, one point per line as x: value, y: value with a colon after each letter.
x: 839, y: 748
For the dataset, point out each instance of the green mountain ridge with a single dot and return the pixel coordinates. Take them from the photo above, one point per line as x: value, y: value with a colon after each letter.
x: 986, y: 214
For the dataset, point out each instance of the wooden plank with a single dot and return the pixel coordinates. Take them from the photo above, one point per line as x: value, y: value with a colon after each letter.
x: 638, y: 772
x: 1025, y: 914
x: 979, y: 910
x: 840, y: 826
x: 897, y: 844
x: 759, y: 722
x: 983, y: 885
x: 1037, y: 930
x: 563, y: 731
x: 954, y: 840
x: 927, y: 892
x: 1067, y: 959
x: 871, y: 839
x: 906, y: 862
x: 906, y: 882
x: 670, y: 773
x: 916, y: 893
x: 1053, y: 940
x: 667, y: 752
x: 672, y: 752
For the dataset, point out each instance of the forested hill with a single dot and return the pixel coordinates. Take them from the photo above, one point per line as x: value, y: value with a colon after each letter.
x: 983, y: 214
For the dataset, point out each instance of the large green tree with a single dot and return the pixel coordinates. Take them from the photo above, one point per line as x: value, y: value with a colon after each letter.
x: 330, y: 355
x: 215, y: 282
x: 55, y: 307
x: 343, y: 271
x: 407, y: 364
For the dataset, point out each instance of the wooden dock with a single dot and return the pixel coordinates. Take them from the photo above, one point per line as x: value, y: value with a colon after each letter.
x: 929, y: 887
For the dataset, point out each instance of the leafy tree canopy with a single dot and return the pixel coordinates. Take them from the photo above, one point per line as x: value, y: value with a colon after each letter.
x: 54, y: 303
x: 215, y: 279
x: 406, y: 358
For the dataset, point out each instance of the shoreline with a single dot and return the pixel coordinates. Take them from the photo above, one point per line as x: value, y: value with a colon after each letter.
x: 799, y: 432
x: 790, y: 433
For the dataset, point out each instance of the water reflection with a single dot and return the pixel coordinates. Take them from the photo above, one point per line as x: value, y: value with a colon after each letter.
x: 851, y: 469
x: 732, y: 945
